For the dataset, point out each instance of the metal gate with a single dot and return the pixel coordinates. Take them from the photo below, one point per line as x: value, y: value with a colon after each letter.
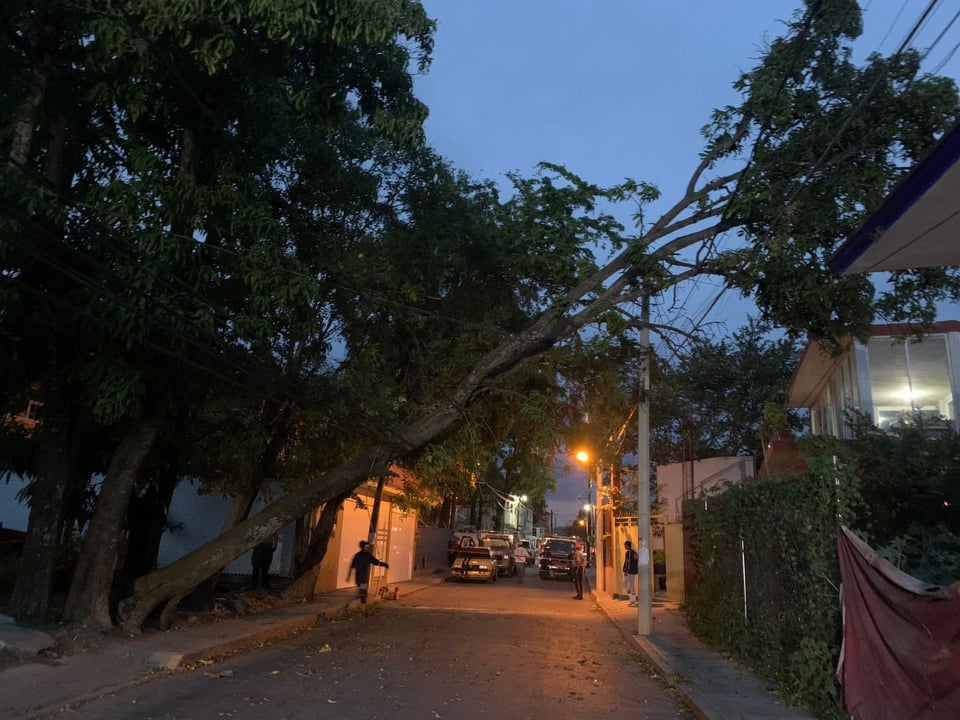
x: 673, y: 552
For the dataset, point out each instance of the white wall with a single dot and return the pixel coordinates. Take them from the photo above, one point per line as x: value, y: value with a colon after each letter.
x: 696, y: 478
x: 201, y: 517
x: 14, y: 515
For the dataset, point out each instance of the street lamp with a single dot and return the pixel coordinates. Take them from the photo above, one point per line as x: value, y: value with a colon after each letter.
x: 518, y: 507
x: 583, y: 457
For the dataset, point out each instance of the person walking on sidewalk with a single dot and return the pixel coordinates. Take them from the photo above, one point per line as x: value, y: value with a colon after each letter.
x: 630, y: 570
x: 579, y: 565
x: 360, y: 564
x: 520, y: 557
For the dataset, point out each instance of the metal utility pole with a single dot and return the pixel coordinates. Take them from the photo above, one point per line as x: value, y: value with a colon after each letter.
x: 598, y: 531
x: 644, y: 608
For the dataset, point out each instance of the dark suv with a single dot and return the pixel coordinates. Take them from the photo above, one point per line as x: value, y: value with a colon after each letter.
x: 556, y: 558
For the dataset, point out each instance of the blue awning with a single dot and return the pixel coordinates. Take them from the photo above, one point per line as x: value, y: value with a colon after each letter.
x: 919, y: 223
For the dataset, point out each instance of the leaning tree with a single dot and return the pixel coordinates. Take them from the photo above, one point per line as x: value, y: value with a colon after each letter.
x: 787, y: 173
x: 790, y: 171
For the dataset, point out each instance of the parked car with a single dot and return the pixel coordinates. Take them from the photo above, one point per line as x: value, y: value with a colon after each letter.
x: 556, y: 558
x: 502, y: 554
x: 475, y: 563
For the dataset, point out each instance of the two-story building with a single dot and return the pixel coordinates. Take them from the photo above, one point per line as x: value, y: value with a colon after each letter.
x: 894, y: 377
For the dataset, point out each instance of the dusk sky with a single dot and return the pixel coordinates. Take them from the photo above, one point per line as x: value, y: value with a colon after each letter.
x: 617, y: 89
x: 613, y: 89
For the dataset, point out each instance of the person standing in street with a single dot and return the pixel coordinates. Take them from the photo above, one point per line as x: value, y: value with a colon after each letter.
x: 579, y: 565
x: 630, y: 570
x: 360, y: 564
x: 520, y: 557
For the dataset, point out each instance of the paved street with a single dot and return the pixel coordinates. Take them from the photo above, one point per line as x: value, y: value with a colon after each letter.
x: 502, y: 650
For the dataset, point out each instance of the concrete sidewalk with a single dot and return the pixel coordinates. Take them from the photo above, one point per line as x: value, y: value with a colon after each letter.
x: 713, y: 687
x: 710, y: 684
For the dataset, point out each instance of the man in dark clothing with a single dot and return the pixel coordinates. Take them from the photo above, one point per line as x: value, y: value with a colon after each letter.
x: 630, y: 570
x: 361, y: 564
x: 262, y: 559
x: 579, y: 565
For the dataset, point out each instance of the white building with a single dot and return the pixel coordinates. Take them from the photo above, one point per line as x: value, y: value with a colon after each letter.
x: 892, y: 379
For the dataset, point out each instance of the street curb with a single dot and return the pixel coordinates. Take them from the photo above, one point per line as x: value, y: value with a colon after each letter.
x: 278, y: 631
x: 173, y: 660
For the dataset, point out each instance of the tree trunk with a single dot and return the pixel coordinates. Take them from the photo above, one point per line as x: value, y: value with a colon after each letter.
x: 146, y: 522
x: 375, y: 515
x: 25, y: 116
x: 30, y: 601
x: 89, y: 597
x: 279, y: 425
x: 203, y: 595
x: 303, y: 586
x: 172, y: 581
x: 446, y: 512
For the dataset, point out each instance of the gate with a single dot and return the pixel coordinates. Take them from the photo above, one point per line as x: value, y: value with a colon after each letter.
x: 673, y: 552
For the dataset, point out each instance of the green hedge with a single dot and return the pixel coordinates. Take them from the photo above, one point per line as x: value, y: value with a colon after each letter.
x: 898, y: 490
x: 789, y: 628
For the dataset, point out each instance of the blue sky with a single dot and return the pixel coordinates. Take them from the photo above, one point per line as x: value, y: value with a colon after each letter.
x: 616, y: 89
x: 611, y: 89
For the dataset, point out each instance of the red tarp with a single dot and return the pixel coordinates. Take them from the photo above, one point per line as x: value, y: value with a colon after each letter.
x: 901, y: 640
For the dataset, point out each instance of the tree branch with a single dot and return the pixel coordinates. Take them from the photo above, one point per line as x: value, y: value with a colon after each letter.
x: 684, y: 241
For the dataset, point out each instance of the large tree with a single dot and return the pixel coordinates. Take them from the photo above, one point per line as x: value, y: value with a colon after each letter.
x: 790, y: 171
x: 152, y: 226
x: 712, y: 400
x: 790, y: 207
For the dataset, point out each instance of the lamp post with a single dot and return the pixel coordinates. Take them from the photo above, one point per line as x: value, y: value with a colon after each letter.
x: 519, y: 514
x: 521, y: 517
x: 583, y: 457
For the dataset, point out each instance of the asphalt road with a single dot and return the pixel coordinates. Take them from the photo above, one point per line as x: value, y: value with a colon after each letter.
x: 454, y: 651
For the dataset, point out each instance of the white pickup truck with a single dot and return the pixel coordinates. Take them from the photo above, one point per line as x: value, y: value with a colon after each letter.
x: 501, y: 546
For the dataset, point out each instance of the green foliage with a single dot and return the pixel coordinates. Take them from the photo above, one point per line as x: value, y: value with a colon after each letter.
x: 929, y: 553
x: 909, y: 479
x: 832, y: 139
x: 886, y: 485
x: 206, y: 198
x: 182, y: 237
x: 714, y: 399
x: 791, y: 632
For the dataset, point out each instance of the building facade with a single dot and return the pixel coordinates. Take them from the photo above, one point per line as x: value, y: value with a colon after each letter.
x: 892, y: 379
x: 196, y: 519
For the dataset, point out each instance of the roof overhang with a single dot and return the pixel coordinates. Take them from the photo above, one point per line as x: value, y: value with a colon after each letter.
x: 811, y: 372
x: 919, y: 223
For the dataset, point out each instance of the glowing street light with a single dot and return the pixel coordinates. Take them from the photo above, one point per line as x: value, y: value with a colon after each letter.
x: 519, y: 509
x: 583, y: 457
